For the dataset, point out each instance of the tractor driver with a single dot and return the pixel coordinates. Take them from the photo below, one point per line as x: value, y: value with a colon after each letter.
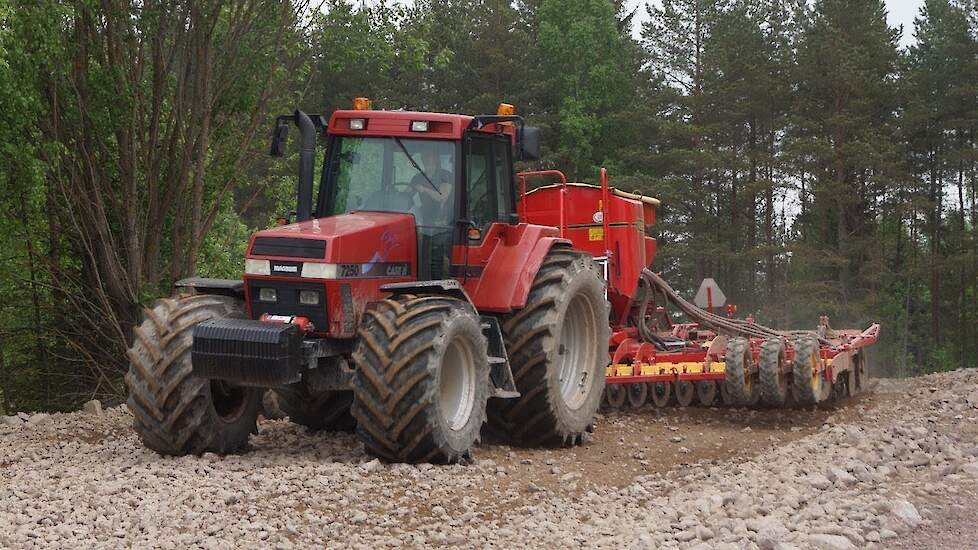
x: 433, y: 189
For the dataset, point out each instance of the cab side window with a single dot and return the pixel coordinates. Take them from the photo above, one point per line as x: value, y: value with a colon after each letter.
x: 502, y: 152
x: 479, y: 176
x: 489, y: 180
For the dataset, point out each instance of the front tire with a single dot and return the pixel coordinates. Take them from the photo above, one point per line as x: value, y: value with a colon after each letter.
x: 176, y: 413
x: 422, y: 379
x: 558, y: 350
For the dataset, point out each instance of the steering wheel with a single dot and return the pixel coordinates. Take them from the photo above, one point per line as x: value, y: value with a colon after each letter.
x: 402, y: 187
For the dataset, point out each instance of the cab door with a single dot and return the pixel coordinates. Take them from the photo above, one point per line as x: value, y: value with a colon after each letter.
x: 488, y: 198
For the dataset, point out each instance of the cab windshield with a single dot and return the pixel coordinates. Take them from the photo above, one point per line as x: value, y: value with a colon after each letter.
x: 391, y: 174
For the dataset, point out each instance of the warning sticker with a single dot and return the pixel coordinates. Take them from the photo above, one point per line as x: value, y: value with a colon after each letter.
x: 595, y: 233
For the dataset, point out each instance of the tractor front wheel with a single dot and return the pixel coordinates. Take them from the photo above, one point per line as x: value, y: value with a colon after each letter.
x: 422, y: 379
x: 176, y: 413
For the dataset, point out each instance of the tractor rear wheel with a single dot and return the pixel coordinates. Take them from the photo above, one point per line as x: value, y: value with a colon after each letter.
x: 176, y: 413
x: 772, y: 376
x: 558, y: 349
x: 329, y: 410
x: 422, y: 379
x: 740, y: 388
x: 807, y: 380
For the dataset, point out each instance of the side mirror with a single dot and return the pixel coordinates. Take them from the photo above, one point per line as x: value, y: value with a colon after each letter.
x: 279, y: 136
x: 530, y: 143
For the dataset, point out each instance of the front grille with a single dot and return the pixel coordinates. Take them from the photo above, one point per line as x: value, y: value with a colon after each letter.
x: 286, y: 247
x: 287, y: 302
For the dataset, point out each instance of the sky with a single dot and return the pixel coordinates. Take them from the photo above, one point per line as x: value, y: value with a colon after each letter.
x: 899, y: 12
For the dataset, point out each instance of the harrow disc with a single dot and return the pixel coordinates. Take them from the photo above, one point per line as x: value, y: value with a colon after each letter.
x: 706, y: 392
x: 660, y: 392
x: 614, y: 396
x: 685, y: 393
x: 637, y: 394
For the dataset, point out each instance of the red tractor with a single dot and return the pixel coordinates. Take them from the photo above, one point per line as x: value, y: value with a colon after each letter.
x: 409, y: 301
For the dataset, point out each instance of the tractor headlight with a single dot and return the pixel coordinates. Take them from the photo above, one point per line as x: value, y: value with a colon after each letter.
x: 358, y: 124
x: 318, y: 271
x: 419, y: 125
x: 267, y: 295
x: 258, y: 267
x: 309, y: 297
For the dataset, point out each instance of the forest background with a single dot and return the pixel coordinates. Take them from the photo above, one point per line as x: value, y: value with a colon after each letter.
x: 805, y: 159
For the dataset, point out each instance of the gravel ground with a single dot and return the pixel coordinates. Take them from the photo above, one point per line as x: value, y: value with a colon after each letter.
x: 896, y: 467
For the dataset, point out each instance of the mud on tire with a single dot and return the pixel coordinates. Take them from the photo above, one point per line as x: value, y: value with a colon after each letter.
x: 414, y: 353
x: 557, y: 347
x: 176, y: 413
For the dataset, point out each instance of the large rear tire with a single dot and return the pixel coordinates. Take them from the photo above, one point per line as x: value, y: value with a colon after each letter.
x: 772, y: 376
x: 558, y: 349
x: 329, y: 411
x: 176, y: 413
x: 807, y: 380
x: 422, y: 379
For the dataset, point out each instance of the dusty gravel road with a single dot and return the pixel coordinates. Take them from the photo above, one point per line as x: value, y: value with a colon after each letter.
x: 896, y: 467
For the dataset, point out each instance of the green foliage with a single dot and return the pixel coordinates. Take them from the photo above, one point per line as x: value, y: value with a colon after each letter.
x: 803, y: 160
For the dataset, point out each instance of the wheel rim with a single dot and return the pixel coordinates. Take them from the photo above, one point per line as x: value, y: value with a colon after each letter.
x: 229, y: 400
x: 575, y: 352
x: 456, y: 386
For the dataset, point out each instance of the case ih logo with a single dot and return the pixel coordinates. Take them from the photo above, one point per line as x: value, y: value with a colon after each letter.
x: 285, y: 269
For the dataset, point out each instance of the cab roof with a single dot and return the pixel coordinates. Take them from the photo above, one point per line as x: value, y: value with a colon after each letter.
x: 398, y: 123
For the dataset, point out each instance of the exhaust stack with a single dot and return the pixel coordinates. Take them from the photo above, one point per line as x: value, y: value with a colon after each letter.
x: 307, y: 152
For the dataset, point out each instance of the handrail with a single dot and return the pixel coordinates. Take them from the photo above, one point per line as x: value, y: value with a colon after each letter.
x: 543, y: 173
x: 605, y: 196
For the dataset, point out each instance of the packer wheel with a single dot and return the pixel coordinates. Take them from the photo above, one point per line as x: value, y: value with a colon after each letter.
x: 706, y: 392
x: 614, y: 396
x: 808, y: 384
x: 660, y: 392
x: 685, y: 392
x: 637, y: 394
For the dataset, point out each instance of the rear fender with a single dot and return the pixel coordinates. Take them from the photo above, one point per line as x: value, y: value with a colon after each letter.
x: 511, y: 267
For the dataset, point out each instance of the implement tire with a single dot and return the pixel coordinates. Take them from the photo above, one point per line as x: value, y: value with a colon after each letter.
x: 772, y: 376
x: 176, y: 413
x: 558, y: 349
x: 740, y: 388
x: 807, y: 380
x: 422, y: 379
x: 329, y: 411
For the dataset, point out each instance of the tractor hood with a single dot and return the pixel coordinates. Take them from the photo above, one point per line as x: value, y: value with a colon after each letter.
x: 357, y: 238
